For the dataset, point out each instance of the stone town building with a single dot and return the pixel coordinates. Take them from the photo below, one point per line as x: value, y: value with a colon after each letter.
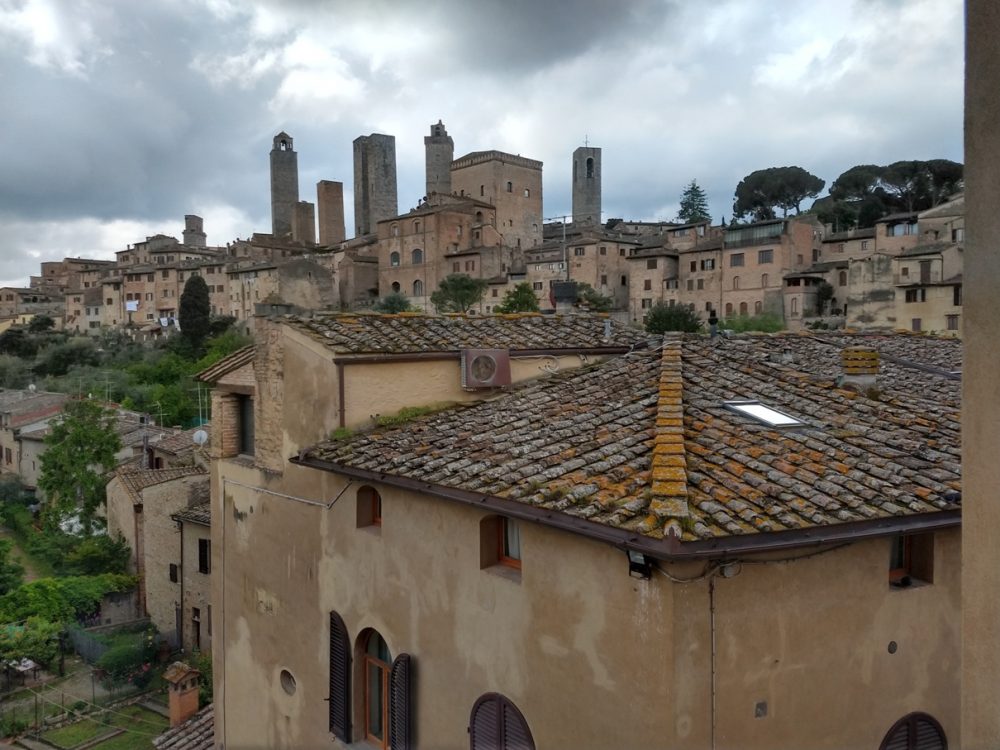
x: 633, y: 496
x: 23, y: 411
x: 512, y: 185
x: 374, y: 181
x: 439, y: 152
x: 284, y: 184
x: 587, y: 185
x: 140, y: 508
x: 16, y: 301
x: 442, y: 236
x: 299, y: 281
x: 195, y: 597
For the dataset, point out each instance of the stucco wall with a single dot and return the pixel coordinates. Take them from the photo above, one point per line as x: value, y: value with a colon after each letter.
x: 592, y: 657
x: 980, y: 422
x: 197, y: 587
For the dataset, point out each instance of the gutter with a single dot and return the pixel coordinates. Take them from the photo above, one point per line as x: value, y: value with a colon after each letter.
x: 365, y: 359
x: 669, y: 549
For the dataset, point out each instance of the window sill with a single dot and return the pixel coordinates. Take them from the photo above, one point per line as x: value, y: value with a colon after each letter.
x: 373, y: 529
x: 505, y: 571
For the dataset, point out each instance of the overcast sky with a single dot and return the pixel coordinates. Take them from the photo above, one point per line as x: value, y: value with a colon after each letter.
x: 121, y: 117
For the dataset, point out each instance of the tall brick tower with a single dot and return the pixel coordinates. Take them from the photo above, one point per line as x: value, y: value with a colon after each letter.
x: 284, y: 184
x: 587, y: 185
x: 440, y: 152
x: 374, y: 181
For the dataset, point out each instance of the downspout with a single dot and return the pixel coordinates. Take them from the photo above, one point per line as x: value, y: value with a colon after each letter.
x: 711, y: 625
x: 181, y: 571
x: 340, y: 394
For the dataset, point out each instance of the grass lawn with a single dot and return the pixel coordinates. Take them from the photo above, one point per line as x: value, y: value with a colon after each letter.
x: 142, y: 724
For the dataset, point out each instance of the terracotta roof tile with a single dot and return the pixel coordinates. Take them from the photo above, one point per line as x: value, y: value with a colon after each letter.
x: 227, y: 364
x: 200, y: 514
x: 408, y: 333
x: 136, y: 480
x: 644, y: 441
x: 197, y: 733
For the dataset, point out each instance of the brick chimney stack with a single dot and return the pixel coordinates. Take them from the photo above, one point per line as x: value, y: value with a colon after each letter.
x: 183, y: 689
x: 860, y: 365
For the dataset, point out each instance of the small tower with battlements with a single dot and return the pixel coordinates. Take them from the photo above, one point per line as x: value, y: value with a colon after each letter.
x: 440, y: 152
x: 284, y: 184
x: 194, y: 231
x: 587, y: 185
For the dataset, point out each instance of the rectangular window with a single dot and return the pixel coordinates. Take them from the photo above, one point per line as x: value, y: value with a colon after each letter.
x: 670, y: 284
x: 604, y: 280
x: 952, y: 322
x: 864, y: 245
x: 205, y: 556
x: 578, y: 251
x: 916, y: 295
x: 624, y: 280
x: 915, y: 324
x: 647, y: 303
x: 173, y: 573
x: 537, y: 286
x: 767, y: 256
x: 708, y: 264
x: 694, y: 266
x: 736, y: 260
x: 621, y: 251
x: 958, y: 235
x: 956, y: 295
x: 647, y: 284
x: 690, y: 285
x: 911, y: 560
x: 603, y: 251
x: 701, y: 283
x: 495, y: 292
x: 246, y: 436
x: 456, y: 266
x: 651, y: 263
x: 509, y: 543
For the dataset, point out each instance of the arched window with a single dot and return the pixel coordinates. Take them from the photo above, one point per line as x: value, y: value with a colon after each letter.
x: 479, y: 217
x: 763, y: 280
x: 393, y: 259
x: 743, y: 308
x: 395, y: 287
x: 527, y: 193
x: 590, y: 167
x: 496, y: 724
x: 736, y: 282
x: 417, y: 257
x: 369, y: 507
x: 729, y: 309
x: 418, y: 288
x: 843, y: 278
x: 757, y: 307
x: 376, y: 663
x: 795, y: 306
x: 510, y: 187
x: 915, y: 731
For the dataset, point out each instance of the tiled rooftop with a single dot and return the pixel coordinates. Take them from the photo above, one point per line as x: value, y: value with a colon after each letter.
x: 409, y: 333
x: 183, y: 440
x: 200, y: 514
x: 227, y: 364
x: 643, y: 442
x: 135, y: 481
x: 197, y: 733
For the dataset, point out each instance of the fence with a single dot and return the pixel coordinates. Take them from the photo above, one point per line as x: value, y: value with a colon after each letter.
x: 91, y: 646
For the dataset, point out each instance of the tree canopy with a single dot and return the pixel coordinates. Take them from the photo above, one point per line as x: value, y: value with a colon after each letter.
x: 761, y: 192
x: 519, y: 299
x: 80, y: 451
x: 694, y: 204
x: 395, y: 302
x: 593, y: 300
x: 458, y: 293
x: 663, y: 317
x: 195, y: 312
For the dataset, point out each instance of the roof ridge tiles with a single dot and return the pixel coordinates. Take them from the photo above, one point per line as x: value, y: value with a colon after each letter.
x: 669, y: 461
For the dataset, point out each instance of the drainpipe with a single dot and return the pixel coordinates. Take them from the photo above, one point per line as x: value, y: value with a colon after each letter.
x: 711, y: 625
x: 180, y: 574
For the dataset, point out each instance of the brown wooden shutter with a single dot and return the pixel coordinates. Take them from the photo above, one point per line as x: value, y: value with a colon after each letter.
x: 497, y: 724
x: 400, y: 687
x: 516, y: 735
x: 340, y: 679
x: 915, y: 731
x: 484, y: 729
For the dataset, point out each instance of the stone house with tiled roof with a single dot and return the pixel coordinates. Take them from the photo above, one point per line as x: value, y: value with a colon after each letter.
x: 624, y: 539
x: 141, y: 504
x: 194, y: 525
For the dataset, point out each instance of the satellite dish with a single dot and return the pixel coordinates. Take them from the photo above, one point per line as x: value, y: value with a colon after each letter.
x: 200, y: 437
x: 32, y: 388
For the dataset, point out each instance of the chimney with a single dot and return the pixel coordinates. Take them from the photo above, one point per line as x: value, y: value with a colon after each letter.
x: 563, y: 297
x: 860, y: 365
x: 182, y: 683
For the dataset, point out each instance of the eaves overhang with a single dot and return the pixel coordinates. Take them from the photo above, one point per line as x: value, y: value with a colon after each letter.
x: 670, y: 548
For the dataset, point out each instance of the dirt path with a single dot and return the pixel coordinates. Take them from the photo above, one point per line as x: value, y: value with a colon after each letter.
x: 30, y: 572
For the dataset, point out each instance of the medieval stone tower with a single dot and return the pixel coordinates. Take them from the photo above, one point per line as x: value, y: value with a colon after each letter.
x: 194, y: 231
x: 587, y: 185
x: 440, y: 152
x: 284, y: 184
x: 374, y: 181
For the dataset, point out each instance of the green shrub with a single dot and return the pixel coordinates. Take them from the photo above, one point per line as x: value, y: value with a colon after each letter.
x: 663, y: 317
x: 766, y: 323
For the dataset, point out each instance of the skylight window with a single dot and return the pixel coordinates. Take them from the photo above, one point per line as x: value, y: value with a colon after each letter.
x: 762, y: 413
